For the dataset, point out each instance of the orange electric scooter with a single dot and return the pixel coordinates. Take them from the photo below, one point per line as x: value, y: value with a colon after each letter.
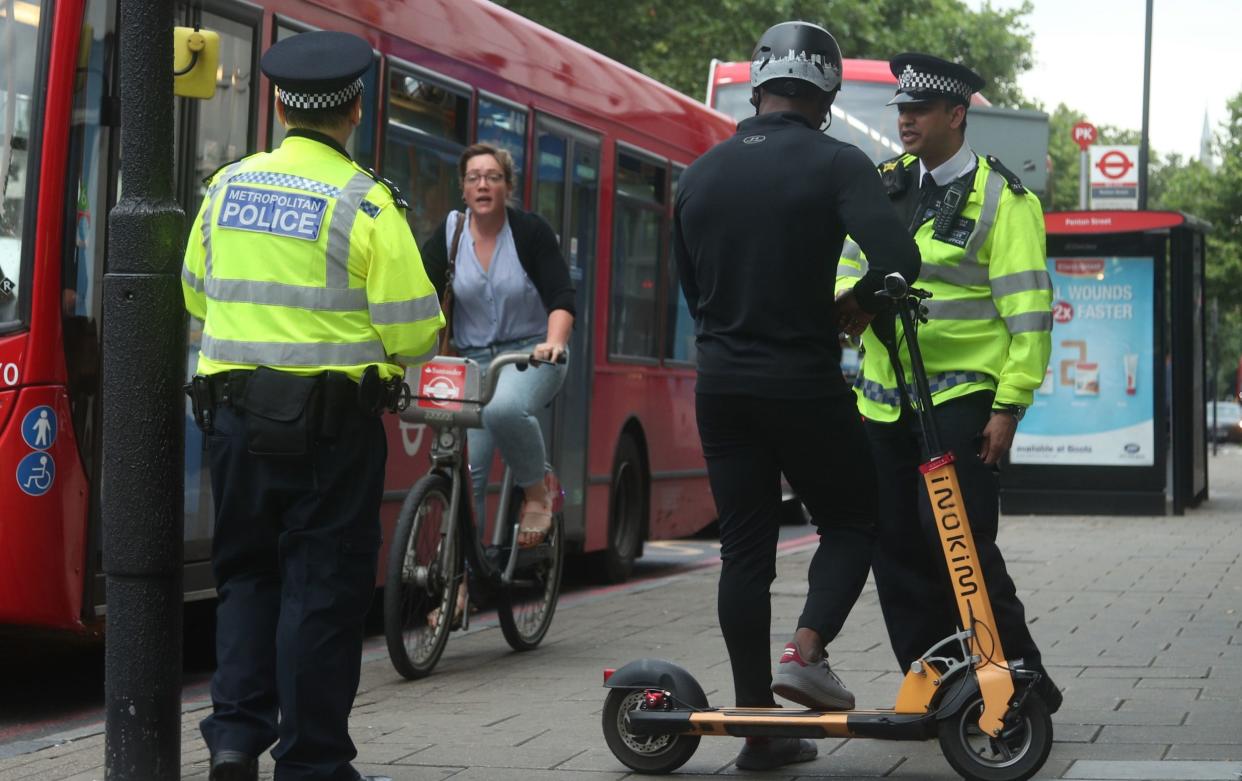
x: 991, y: 723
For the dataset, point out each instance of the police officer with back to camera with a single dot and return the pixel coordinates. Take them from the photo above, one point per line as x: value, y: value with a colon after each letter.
x: 986, y: 346
x: 758, y: 226
x: 313, y: 297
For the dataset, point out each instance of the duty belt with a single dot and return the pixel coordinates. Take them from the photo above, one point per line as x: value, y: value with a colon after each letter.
x: 338, y: 391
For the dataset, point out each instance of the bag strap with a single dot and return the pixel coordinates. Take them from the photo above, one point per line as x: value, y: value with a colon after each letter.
x: 446, y: 305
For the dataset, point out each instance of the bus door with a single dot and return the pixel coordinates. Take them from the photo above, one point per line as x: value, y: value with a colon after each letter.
x: 210, y: 134
x: 566, y: 194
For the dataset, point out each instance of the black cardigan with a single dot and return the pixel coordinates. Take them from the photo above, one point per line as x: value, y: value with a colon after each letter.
x: 537, y: 250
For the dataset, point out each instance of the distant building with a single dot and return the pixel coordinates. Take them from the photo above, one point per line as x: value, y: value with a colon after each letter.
x: 1205, y: 145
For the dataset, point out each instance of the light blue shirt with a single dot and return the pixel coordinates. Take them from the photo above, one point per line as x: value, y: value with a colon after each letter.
x: 497, y: 305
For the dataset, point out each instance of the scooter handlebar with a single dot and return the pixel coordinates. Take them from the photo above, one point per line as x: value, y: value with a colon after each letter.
x: 896, y: 288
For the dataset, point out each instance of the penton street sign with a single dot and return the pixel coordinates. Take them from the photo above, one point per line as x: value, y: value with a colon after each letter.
x: 1114, y: 177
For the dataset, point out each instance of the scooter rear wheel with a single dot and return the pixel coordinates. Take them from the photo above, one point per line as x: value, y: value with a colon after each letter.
x: 655, y: 754
x: 1016, y: 755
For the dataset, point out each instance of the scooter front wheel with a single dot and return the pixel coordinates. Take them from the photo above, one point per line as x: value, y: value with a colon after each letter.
x: 1017, y: 754
x: 655, y: 754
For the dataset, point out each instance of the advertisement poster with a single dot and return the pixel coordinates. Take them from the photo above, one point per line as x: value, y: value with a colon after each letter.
x: 1096, y: 405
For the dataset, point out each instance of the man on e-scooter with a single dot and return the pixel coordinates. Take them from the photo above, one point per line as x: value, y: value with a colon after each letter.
x: 757, y: 225
x: 986, y: 346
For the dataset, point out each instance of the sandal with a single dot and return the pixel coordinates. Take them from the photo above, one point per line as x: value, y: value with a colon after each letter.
x: 535, y: 523
x: 459, y: 610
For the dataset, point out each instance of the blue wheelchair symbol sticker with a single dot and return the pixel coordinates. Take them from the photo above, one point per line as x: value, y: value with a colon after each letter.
x: 36, y: 473
x: 39, y: 427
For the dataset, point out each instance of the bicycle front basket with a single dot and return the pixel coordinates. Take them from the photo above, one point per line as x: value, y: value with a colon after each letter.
x: 442, y: 392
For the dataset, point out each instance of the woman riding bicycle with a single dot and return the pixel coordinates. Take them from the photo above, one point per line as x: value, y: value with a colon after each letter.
x: 510, y: 292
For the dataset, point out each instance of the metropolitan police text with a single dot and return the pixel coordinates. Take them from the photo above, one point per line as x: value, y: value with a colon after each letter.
x: 270, y: 211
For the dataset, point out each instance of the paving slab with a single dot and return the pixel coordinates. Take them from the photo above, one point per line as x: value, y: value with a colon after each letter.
x: 1138, y: 618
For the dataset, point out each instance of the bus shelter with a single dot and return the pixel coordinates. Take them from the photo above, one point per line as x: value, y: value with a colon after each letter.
x: 1118, y: 426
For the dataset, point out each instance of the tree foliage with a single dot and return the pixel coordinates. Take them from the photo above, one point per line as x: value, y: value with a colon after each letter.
x: 674, y: 41
x: 1191, y: 187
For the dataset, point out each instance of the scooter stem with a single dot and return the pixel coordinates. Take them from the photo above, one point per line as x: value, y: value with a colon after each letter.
x: 953, y: 526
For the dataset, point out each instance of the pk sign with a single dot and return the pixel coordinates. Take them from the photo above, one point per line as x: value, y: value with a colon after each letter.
x: 1084, y: 134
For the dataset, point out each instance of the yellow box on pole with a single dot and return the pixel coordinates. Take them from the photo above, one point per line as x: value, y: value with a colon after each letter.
x: 196, y: 55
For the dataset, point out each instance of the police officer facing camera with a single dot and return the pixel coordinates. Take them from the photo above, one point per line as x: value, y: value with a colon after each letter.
x: 986, y: 346
x: 313, y: 297
x: 758, y: 226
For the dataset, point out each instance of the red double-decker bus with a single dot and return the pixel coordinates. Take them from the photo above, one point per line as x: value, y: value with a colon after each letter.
x: 599, y: 149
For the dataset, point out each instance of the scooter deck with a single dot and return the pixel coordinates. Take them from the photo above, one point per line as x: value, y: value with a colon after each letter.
x: 783, y: 722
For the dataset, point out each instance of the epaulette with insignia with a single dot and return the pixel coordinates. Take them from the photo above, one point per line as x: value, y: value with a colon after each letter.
x: 1015, y: 184
x: 207, y: 179
x: 895, y: 175
x: 393, y: 190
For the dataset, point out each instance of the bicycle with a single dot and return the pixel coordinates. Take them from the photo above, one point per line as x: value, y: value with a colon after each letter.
x: 436, y: 531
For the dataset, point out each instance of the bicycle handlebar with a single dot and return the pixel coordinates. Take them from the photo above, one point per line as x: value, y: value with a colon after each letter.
x: 491, y: 376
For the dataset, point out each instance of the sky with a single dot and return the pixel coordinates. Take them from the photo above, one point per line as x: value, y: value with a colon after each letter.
x: 1089, y: 56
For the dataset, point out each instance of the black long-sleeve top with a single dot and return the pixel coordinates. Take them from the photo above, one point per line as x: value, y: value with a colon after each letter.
x: 758, y: 228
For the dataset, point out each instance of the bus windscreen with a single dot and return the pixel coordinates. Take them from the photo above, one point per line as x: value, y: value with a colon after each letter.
x: 859, y: 115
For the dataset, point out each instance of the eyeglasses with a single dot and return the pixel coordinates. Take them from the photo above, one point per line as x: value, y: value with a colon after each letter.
x: 492, y: 177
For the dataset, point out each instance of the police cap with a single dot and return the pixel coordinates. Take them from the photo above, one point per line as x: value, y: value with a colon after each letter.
x: 922, y: 77
x: 317, y: 69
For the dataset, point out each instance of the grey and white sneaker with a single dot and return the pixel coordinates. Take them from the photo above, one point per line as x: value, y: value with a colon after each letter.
x: 812, y: 684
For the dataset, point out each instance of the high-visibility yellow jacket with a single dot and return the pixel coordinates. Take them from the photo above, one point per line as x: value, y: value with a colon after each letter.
x: 303, y: 261
x: 990, y: 318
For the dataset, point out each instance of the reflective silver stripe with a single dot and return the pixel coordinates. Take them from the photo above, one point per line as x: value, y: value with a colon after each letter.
x: 851, y: 250
x: 214, y: 190
x: 408, y: 311
x: 962, y: 309
x: 1021, y: 282
x: 343, y: 216
x: 414, y: 360
x: 848, y: 271
x: 190, y: 279
x: 987, y: 217
x: 293, y: 353
x: 1029, y: 322
x: 245, y: 291
x: 964, y: 275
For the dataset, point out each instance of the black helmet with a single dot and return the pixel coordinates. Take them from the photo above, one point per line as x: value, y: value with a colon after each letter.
x: 797, y: 50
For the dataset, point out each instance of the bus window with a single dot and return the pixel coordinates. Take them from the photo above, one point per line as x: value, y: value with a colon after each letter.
x: 504, y: 126
x: 550, y: 153
x: 19, y: 47
x: 427, y: 130
x: 86, y: 210
x: 637, y: 244
x: 679, y: 329
x: 361, y: 146
x: 224, y: 121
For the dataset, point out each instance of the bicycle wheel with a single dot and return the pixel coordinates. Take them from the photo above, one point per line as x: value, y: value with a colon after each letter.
x: 424, y: 570
x: 525, y: 608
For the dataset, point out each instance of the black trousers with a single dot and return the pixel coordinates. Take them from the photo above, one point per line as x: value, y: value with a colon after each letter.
x: 910, y: 572
x: 820, y: 447
x: 294, y: 556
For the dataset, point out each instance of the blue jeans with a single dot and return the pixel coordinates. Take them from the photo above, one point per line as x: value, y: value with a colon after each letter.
x: 509, y: 421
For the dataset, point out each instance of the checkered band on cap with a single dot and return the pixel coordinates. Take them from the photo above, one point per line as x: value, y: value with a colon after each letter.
x: 912, y: 80
x: 321, y: 99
